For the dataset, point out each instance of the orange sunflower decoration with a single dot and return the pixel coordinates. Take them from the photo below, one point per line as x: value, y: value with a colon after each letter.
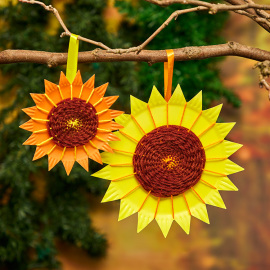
x: 71, y: 122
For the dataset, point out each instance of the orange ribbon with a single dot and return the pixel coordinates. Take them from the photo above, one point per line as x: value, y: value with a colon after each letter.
x: 168, y: 74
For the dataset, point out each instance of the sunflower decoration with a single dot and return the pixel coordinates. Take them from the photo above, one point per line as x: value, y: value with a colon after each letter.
x: 71, y: 122
x: 171, y: 161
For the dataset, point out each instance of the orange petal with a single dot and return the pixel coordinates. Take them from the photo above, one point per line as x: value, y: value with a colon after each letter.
x: 50, y: 87
x: 115, y: 126
x: 102, y: 89
x: 105, y: 115
x: 84, y: 163
x: 37, y: 97
x: 110, y: 100
x: 52, y: 162
x: 100, y: 138
x: 41, y: 100
x: 30, y: 111
x: 39, y: 153
x: 63, y: 82
x: 105, y: 126
x: 115, y: 113
x: 31, y: 140
x: 78, y: 79
x: 106, y: 147
x: 82, y: 157
x: 102, y: 107
x: 90, y: 83
x: 112, y: 137
x: 95, y: 155
x: 68, y: 165
x: 68, y: 159
x: 29, y: 125
x: 55, y: 157
x: 52, y: 91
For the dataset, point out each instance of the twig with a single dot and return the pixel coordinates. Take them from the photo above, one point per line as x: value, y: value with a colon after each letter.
x: 149, y: 56
x: 66, y: 31
x: 264, y: 68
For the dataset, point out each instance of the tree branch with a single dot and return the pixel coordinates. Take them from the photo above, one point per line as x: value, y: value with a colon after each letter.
x: 150, y: 56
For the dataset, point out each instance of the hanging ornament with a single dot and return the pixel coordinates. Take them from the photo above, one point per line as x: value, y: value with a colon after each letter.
x: 171, y: 161
x: 72, y: 120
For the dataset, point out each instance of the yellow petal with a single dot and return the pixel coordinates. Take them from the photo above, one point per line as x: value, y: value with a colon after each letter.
x: 132, y: 203
x: 176, y: 106
x: 222, y: 167
x: 196, y: 102
x: 147, y: 212
x: 217, y: 133
x: 192, y: 111
x: 142, y: 114
x: 124, y: 144
x: 226, y: 184
x: 214, y: 198
x: 158, y: 107
x: 197, y: 207
x: 116, y: 158
x: 137, y: 106
x: 223, y: 149
x: 178, y: 97
x: 181, y: 213
x: 126, y: 210
x: 132, y: 130
x: 212, y: 114
x: 224, y: 128
x: 111, y: 193
x: 164, y: 215
x: 209, y: 195
x: 207, y: 120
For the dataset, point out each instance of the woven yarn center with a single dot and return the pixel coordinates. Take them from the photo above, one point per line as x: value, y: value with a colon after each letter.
x: 168, y: 161
x: 72, y: 123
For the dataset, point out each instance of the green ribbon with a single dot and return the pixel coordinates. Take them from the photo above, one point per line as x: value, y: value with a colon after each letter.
x: 72, y: 61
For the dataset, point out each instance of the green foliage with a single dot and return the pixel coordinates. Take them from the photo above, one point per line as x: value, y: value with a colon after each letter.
x: 29, y: 224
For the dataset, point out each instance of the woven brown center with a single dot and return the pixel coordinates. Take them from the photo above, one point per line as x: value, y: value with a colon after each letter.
x: 168, y: 160
x: 72, y: 123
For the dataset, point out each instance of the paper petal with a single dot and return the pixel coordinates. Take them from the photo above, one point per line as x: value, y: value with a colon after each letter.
x: 181, y: 213
x: 110, y: 100
x: 102, y: 89
x: 30, y: 111
x: 158, y: 107
x: 226, y: 184
x: 164, y: 215
x: 197, y: 207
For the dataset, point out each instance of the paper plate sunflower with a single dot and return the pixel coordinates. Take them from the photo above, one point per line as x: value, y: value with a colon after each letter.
x: 71, y: 121
x: 171, y: 161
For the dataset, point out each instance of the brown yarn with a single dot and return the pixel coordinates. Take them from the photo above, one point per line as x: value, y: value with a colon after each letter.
x: 168, y: 160
x: 72, y: 123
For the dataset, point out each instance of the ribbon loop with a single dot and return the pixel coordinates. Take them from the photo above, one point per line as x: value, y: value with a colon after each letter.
x: 168, y: 74
x: 72, y: 61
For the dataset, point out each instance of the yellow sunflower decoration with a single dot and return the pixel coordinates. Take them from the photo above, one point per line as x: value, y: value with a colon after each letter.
x: 171, y: 161
x: 72, y: 120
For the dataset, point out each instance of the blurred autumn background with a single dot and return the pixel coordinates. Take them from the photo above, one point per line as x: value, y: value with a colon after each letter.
x: 51, y: 221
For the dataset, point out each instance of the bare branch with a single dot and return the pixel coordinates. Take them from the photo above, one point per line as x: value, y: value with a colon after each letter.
x: 264, y: 69
x: 66, y: 31
x: 150, y: 56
